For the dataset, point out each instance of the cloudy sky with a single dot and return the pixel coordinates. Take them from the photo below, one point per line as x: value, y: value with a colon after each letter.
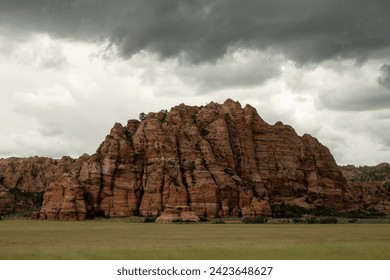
x: 70, y: 69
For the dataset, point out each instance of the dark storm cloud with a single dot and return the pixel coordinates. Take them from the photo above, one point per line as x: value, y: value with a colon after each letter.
x: 356, y: 100
x: 75, y: 19
x: 384, y: 78
x: 304, y: 30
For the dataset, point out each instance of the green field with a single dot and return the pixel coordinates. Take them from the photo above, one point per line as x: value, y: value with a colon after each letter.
x: 120, y: 239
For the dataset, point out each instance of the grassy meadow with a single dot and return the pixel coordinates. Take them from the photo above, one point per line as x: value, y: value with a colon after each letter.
x: 121, y: 239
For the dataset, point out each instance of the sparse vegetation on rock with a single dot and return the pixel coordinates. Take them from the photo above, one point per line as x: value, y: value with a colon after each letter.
x: 142, y: 116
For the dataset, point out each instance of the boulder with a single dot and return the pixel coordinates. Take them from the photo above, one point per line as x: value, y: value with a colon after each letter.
x: 177, y: 214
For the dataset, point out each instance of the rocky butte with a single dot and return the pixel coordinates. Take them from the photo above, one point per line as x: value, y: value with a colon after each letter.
x: 219, y: 160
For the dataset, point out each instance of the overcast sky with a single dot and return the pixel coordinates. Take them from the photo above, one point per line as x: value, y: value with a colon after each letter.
x: 70, y: 69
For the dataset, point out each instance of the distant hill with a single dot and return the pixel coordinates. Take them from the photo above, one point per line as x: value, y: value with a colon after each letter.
x: 379, y: 173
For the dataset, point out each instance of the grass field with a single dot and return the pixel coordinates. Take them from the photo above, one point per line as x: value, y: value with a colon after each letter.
x: 119, y: 239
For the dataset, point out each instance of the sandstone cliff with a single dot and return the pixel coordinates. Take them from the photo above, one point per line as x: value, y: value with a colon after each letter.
x: 370, y: 186
x: 218, y: 160
x: 23, y: 181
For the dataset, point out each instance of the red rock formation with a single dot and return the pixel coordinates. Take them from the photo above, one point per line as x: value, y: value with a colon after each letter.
x: 369, y: 186
x: 64, y: 200
x: 218, y: 160
x: 371, y: 196
x: 23, y: 180
x: 6, y: 200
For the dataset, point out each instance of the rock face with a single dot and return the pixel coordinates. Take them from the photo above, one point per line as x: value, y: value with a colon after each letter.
x: 217, y: 160
x: 370, y: 186
x: 64, y: 200
x: 24, y: 180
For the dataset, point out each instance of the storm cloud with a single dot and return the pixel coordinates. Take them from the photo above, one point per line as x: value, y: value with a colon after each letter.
x: 384, y: 78
x: 71, y: 68
x: 357, y: 100
x: 203, y: 31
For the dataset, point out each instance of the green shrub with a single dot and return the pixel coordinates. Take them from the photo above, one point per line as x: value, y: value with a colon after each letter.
x: 27, y: 198
x: 358, y: 214
x: 354, y: 214
x: 219, y: 221
x: 255, y: 220
x: 298, y: 221
x: 149, y: 220
x: 323, y: 211
x: 164, y: 115
x: 311, y: 220
x: 183, y: 222
x: 95, y: 214
x: 203, y: 219
x: 284, y: 210
x: 142, y: 116
x: 328, y: 220
x: 352, y: 221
